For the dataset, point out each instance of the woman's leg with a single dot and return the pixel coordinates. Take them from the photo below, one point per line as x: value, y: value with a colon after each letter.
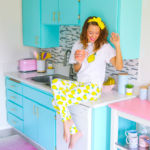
x: 80, y: 94
x: 68, y: 93
x: 60, y: 88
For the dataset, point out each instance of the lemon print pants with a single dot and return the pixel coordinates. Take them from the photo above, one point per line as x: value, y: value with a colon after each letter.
x: 68, y: 93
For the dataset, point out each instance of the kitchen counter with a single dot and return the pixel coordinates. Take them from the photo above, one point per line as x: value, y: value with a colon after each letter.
x: 106, y: 98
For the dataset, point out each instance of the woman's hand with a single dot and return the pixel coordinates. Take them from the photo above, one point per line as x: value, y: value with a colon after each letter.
x: 80, y: 55
x: 115, y: 39
x: 116, y: 61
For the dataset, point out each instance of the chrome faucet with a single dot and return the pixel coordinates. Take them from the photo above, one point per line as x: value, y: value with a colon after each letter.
x: 72, y: 74
x: 67, y: 55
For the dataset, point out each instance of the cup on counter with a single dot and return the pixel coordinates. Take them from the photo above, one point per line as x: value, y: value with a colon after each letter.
x: 132, y: 138
x: 40, y: 65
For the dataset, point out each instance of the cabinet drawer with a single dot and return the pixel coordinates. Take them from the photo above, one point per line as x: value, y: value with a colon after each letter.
x: 38, y: 96
x: 14, y: 97
x: 15, y: 122
x: 14, y: 109
x: 14, y: 85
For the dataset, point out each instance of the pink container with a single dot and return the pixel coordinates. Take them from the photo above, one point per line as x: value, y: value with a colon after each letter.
x: 107, y: 88
x: 28, y: 64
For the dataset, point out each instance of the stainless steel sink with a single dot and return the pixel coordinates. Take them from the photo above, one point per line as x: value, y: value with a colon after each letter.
x: 46, y: 79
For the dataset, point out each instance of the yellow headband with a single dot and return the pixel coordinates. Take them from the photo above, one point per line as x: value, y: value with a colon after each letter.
x: 98, y: 21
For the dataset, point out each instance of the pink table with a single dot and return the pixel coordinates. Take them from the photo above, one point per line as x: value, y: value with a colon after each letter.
x: 135, y: 110
x: 136, y: 107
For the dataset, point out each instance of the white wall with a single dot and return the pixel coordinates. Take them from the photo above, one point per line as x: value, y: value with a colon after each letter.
x: 144, y: 61
x: 11, y: 47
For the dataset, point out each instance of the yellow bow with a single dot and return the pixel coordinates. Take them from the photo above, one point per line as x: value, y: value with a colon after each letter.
x: 99, y: 22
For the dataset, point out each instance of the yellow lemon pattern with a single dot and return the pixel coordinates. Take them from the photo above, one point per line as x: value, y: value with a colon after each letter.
x: 68, y: 93
x: 54, y: 81
x: 91, y: 58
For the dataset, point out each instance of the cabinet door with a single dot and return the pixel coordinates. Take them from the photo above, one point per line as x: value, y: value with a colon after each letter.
x: 49, y: 11
x: 129, y: 27
x: 46, y: 128
x: 68, y: 12
x: 31, y: 22
x: 101, y: 118
x: 30, y: 119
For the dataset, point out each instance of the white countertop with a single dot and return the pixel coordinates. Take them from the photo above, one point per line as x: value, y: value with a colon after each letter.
x: 106, y: 98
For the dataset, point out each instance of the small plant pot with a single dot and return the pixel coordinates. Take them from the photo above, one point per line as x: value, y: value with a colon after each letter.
x: 129, y: 91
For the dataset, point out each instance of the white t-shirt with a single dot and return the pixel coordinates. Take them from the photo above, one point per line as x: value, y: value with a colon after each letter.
x: 94, y: 71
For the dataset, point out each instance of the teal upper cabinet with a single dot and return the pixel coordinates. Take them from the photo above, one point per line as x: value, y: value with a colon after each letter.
x: 121, y: 16
x: 69, y: 12
x: 34, y: 33
x: 50, y: 12
x: 62, y: 12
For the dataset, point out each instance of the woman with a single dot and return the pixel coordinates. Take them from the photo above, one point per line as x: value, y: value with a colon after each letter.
x: 89, y: 57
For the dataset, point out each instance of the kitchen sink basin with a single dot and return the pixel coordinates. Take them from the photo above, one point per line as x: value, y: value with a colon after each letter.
x: 46, y: 79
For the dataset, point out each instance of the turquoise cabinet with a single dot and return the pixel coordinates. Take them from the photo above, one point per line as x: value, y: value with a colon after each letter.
x: 30, y: 111
x: 62, y: 12
x: 40, y: 124
x: 34, y: 32
x: 101, y: 124
x: 46, y: 128
x: 121, y: 16
x: 14, y: 104
x: 30, y: 120
x: 69, y: 12
x: 50, y: 12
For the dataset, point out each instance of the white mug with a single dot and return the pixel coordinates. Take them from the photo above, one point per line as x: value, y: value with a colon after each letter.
x: 132, y: 142
x: 40, y: 65
x: 131, y: 133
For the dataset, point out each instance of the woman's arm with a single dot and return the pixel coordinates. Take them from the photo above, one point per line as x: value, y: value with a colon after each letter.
x: 116, y: 61
x: 77, y: 67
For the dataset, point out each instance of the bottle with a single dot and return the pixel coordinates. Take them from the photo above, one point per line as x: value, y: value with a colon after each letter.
x: 122, y: 81
x: 143, y: 93
x: 50, y: 69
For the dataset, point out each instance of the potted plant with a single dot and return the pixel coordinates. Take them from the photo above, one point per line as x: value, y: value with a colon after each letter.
x: 129, y: 89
